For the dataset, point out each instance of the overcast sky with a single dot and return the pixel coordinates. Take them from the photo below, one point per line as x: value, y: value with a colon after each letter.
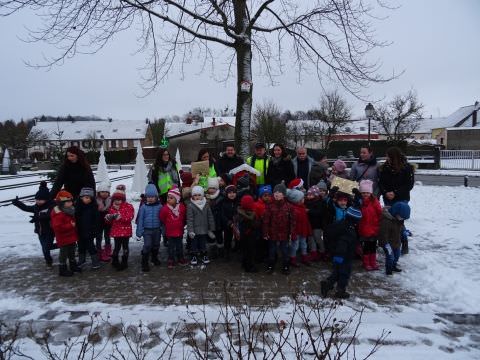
x: 436, y: 42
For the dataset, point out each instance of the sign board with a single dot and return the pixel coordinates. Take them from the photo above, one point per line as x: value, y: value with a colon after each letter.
x: 344, y: 185
x: 200, y: 168
x: 245, y: 86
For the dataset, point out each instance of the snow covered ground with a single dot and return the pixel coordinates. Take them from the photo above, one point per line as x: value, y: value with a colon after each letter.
x: 432, y: 308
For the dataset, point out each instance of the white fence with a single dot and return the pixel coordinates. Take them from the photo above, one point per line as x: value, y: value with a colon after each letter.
x: 460, y: 159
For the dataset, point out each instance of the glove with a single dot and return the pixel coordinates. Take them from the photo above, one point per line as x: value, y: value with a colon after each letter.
x: 109, y: 217
x: 116, y: 216
x: 16, y: 200
x: 211, y: 235
x: 338, y: 260
x: 191, y: 234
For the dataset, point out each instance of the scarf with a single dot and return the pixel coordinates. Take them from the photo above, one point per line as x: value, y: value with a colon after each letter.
x: 69, y: 211
x: 175, y: 210
x: 200, y: 203
x: 104, y: 204
x: 214, y: 196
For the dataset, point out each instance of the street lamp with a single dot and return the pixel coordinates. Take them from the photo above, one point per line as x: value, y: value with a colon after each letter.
x: 369, y: 112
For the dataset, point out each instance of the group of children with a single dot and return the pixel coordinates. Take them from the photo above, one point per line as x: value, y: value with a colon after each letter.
x: 320, y: 224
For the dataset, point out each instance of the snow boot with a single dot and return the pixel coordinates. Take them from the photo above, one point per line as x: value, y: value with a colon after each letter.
x: 306, y: 260
x: 82, y: 259
x: 124, y: 263
x: 63, y: 270
x: 115, y: 262
x: 182, y: 262
x: 205, y: 259
x: 341, y: 294
x: 95, y: 262
x: 145, y: 265
x: 373, y: 261
x: 170, y: 264
x: 325, y: 287
x: 108, y: 251
x: 270, y: 269
x: 103, y: 255
x: 194, y: 260
x: 155, y: 260
x: 293, y: 261
x: 395, y: 268
x: 366, y: 262
x: 74, y: 267
x: 314, y: 256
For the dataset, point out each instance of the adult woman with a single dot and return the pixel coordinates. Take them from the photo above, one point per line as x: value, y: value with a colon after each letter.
x: 395, y: 177
x: 74, y: 173
x: 366, y: 168
x: 280, y: 167
x: 204, y: 155
x: 164, y: 173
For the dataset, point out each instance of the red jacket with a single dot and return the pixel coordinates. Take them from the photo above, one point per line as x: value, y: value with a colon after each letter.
x: 122, y: 227
x: 278, y: 221
x: 371, y: 214
x: 302, y: 224
x: 63, y: 226
x: 174, y: 225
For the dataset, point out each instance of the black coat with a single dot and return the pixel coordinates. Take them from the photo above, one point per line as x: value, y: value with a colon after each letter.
x: 229, y: 211
x: 400, y: 182
x: 86, y: 219
x: 73, y: 177
x: 40, y: 218
x: 225, y: 164
x: 317, y: 213
x: 280, y: 171
x: 341, y: 239
x: 216, y: 206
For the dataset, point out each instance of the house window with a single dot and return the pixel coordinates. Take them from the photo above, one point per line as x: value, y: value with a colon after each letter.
x: 441, y: 141
x: 113, y: 144
x: 125, y: 143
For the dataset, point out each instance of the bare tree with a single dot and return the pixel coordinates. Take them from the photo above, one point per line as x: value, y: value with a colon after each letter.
x: 332, y: 37
x: 334, y: 113
x: 399, y: 118
x: 268, y: 127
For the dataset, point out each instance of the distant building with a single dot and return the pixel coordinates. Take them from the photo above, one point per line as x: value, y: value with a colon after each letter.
x: 91, y: 134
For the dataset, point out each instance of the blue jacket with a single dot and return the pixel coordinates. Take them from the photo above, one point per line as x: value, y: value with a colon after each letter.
x: 148, y: 217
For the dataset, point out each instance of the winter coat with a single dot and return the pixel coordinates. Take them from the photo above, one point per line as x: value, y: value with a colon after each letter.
x: 103, y: 207
x: 40, y: 218
x: 122, y: 227
x: 86, y: 217
x: 228, y: 212
x: 295, y: 171
x: 341, y: 239
x: 279, y: 221
x: 366, y: 170
x: 279, y: 170
x: 400, y: 182
x: 302, y: 224
x: 164, y: 177
x: 260, y: 208
x: 73, y: 177
x: 318, y: 172
x: 174, y: 225
x: 200, y: 221
x: 317, y: 213
x: 216, y: 207
x: 248, y: 222
x: 225, y: 164
x: 64, y: 227
x: 371, y: 214
x: 148, y: 217
x: 390, y: 230
x: 334, y: 212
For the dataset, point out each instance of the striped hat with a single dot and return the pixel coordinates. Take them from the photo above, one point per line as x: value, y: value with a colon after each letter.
x: 175, y: 192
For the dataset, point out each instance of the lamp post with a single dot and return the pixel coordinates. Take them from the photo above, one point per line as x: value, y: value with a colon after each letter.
x: 369, y: 111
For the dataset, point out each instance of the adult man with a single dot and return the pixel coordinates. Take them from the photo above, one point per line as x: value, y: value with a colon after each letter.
x: 260, y: 161
x: 227, y: 162
x: 302, y: 165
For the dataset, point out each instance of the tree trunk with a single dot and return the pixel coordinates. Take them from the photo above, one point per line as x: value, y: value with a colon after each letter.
x: 243, y: 49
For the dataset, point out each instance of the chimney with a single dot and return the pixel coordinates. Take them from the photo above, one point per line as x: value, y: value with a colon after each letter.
x: 474, y: 114
x: 213, y: 121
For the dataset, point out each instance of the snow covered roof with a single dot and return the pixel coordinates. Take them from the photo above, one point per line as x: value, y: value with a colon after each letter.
x: 426, y: 125
x: 463, y: 116
x: 177, y: 128
x: 80, y: 130
x: 357, y: 126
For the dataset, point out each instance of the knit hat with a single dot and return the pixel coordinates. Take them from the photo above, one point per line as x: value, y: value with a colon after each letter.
x: 187, y: 178
x: 354, y: 213
x: 175, y: 192
x: 151, y: 190
x: 295, y: 184
x: 63, y: 195
x: 42, y: 193
x: 119, y: 193
x: 400, y: 209
x: 339, y: 165
x: 213, y: 183
x: 264, y: 189
x: 295, y: 195
x: 243, y: 181
x: 314, y: 191
x: 87, y: 191
x: 322, y: 185
x: 281, y: 188
x: 103, y: 186
x: 247, y: 203
x: 366, y: 186
x: 197, y: 190
x: 230, y: 188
